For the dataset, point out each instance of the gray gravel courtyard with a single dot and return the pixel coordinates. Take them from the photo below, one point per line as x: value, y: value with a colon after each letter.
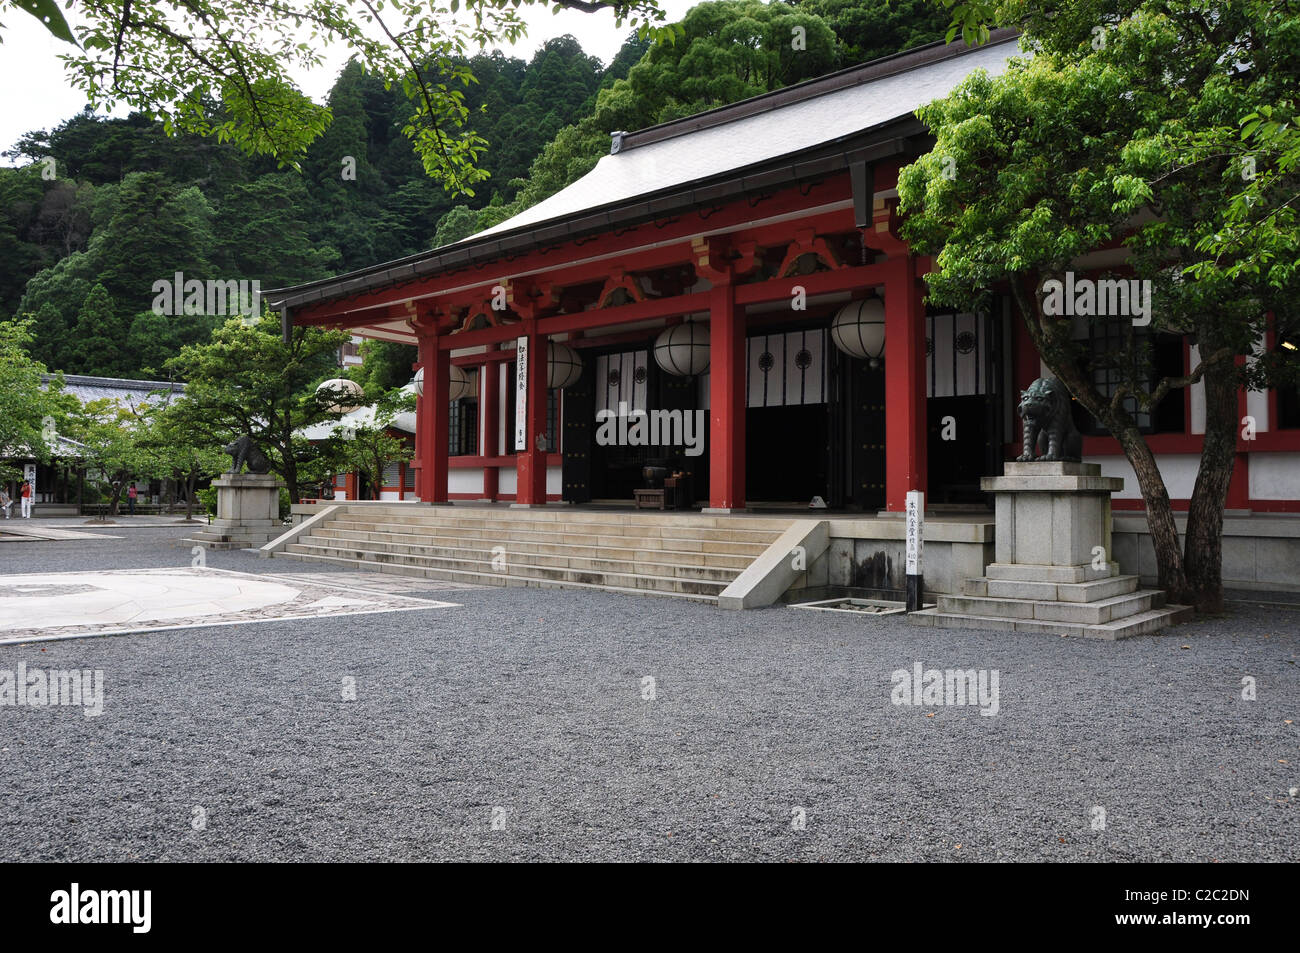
x: 528, y: 708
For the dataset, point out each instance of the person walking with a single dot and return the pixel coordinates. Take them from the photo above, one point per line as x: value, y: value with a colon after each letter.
x: 131, y: 493
x: 26, y: 494
x: 6, y: 501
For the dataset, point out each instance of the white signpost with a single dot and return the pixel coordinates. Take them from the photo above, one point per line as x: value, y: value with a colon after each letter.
x: 915, y: 543
x: 521, y: 394
x: 29, y: 474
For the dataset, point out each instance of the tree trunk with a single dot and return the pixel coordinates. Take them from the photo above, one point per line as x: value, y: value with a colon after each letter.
x: 1204, y: 544
x: 1171, y: 573
x: 112, y: 504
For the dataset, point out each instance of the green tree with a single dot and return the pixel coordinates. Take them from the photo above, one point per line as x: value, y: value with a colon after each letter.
x: 33, y: 413
x: 369, y: 448
x: 246, y: 380
x: 174, y: 442
x: 869, y: 29
x: 729, y: 50
x: 174, y: 62
x: 1100, y: 139
x: 110, y: 445
x: 99, y: 339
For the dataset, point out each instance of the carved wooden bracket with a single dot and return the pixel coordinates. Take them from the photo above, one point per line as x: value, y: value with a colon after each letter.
x: 714, y: 261
x: 806, y: 242
x: 619, y: 279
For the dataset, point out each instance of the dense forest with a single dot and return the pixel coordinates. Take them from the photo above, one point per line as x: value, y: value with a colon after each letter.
x: 97, y: 210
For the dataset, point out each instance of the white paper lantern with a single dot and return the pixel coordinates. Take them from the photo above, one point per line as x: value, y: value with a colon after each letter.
x: 683, y: 349
x: 458, y: 384
x: 859, y: 329
x: 346, y: 394
x: 563, y: 366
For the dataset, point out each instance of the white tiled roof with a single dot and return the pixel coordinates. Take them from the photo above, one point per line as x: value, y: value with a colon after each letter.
x: 759, y: 137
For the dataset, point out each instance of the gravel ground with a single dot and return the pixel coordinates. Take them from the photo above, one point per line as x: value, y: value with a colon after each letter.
x: 527, y: 706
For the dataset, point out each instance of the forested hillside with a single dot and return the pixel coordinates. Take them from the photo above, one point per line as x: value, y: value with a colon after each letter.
x: 123, y: 205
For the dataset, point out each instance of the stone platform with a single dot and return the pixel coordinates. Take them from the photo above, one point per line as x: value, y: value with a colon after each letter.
x: 1053, y: 571
x: 248, y: 512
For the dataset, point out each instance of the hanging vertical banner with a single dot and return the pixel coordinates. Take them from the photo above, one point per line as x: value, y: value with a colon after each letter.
x: 915, y: 541
x: 521, y: 394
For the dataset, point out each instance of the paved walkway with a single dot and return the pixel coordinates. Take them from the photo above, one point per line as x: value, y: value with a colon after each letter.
x: 42, y: 607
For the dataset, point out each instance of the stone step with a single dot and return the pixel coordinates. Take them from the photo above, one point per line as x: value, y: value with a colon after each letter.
x: 498, y: 528
x: 590, y: 562
x: 1026, y: 572
x: 1143, y: 623
x: 492, y: 579
x: 610, y: 578
x: 1093, y: 591
x: 574, y: 516
x: 411, y: 542
x: 505, y: 534
x: 1087, y: 613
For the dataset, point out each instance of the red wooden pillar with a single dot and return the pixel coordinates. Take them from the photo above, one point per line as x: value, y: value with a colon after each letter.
x: 490, y: 401
x: 434, y: 421
x: 726, y: 398
x: 530, y: 463
x: 905, y: 425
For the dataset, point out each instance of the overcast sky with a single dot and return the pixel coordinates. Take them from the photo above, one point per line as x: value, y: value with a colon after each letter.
x: 37, y: 96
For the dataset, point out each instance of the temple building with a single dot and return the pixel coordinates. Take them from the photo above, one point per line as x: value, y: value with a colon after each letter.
x: 727, y: 296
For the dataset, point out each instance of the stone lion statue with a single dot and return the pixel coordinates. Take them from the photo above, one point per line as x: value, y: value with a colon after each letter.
x: 242, y: 450
x: 1050, y: 433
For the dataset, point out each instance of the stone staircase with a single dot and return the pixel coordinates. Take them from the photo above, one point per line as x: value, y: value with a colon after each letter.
x: 685, y: 556
x: 1062, y: 600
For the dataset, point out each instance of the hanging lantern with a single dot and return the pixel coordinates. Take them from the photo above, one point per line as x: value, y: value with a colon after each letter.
x: 458, y: 383
x: 683, y: 349
x: 563, y: 365
x: 859, y: 329
x: 346, y: 394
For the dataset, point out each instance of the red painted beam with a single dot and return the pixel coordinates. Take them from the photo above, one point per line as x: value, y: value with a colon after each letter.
x: 726, y: 400
x: 905, y: 424
x: 433, y: 427
x: 733, y: 216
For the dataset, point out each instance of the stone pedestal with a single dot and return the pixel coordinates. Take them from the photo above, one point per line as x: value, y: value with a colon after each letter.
x: 1047, y: 577
x: 248, y: 512
x: 1052, y: 516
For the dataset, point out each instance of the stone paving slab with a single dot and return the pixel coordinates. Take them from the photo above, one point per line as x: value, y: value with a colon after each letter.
x: 26, y: 530
x: 39, y: 607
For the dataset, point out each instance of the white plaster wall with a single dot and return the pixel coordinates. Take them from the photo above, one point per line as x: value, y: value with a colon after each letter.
x: 554, y: 481
x: 389, y: 495
x: 465, y: 480
x: 507, y: 480
x: 1179, y: 472
x: 1257, y: 407
x: 1274, y: 476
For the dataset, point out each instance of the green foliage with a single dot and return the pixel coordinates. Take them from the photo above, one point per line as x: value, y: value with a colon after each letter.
x: 1131, y: 128
x: 246, y: 380
x: 368, y: 449
x: 98, y: 343
x: 31, y: 412
x: 174, y: 62
x: 869, y: 29
x: 729, y: 50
